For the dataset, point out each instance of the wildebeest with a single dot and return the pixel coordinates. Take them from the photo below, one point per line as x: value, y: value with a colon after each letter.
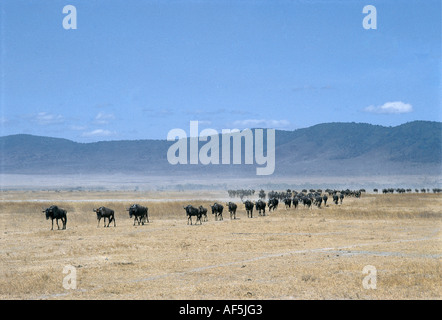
x: 55, y: 212
x: 261, y: 206
x: 232, y: 209
x: 325, y: 198
x: 139, y: 212
x: 203, y: 212
x: 249, y: 208
x: 192, y: 211
x: 217, y: 210
x: 288, y: 203
x: 318, y: 201
x: 273, y: 204
x: 341, y: 197
x: 295, y: 202
x: 335, y: 198
x: 104, y: 213
x: 307, y: 202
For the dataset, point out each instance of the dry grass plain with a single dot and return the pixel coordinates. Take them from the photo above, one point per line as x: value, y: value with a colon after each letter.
x: 288, y: 254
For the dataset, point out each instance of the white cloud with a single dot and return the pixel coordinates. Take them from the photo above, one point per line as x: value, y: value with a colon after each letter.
x: 78, y: 128
x: 44, y: 118
x: 264, y: 123
x: 104, y: 118
x: 98, y: 133
x: 395, y: 107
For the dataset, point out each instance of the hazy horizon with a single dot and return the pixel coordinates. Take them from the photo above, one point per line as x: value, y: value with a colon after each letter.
x: 165, y: 138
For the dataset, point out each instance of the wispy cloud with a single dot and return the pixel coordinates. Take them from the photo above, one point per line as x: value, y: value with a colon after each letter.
x: 199, y: 112
x: 44, y: 118
x: 77, y: 128
x: 104, y: 118
x: 395, y: 107
x: 264, y: 123
x: 3, y: 120
x: 98, y: 133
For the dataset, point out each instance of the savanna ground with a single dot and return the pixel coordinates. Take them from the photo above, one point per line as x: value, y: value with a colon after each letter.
x: 287, y: 254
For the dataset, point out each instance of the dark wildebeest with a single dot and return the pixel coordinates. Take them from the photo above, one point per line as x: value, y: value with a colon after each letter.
x: 139, y: 212
x: 249, y: 208
x: 273, y: 204
x: 318, y: 201
x: 217, y: 210
x: 192, y: 211
x: 261, y: 206
x: 335, y: 198
x: 325, y: 198
x: 203, y: 212
x: 341, y: 197
x: 104, y: 213
x: 232, y: 209
x: 307, y: 202
x: 288, y: 202
x: 55, y: 212
x: 295, y: 202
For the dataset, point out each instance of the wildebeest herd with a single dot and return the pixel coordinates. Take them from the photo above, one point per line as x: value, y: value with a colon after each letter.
x: 139, y: 213
x: 292, y: 198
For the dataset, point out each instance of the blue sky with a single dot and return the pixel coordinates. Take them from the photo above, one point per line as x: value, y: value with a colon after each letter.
x: 137, y: 69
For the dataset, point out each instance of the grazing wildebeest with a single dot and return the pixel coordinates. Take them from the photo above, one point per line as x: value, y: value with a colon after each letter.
x: 273, y: 204
x: 139, y: 212
x: 295, y: 202
x: 217, y: 210
x: 232, y: 209
x: 325, y: 198
x: 288, y: 203
x: 192, y: 211
x: 104, y: 213
x: 249, y: 208
x: 341, y: 197
x: 335, y: 198
x: 55, y: 212
x: 203, y: 212
x: 261, y: 206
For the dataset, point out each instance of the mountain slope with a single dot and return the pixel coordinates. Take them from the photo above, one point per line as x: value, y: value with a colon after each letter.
x: 323, y: 149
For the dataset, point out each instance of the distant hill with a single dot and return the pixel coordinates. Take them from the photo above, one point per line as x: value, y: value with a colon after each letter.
x: 331, y: 149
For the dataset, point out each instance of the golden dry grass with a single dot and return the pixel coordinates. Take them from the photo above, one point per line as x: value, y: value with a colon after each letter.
x: 288, y: 254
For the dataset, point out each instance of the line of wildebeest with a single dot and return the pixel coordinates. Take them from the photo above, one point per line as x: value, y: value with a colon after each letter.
x: 140, y: 213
